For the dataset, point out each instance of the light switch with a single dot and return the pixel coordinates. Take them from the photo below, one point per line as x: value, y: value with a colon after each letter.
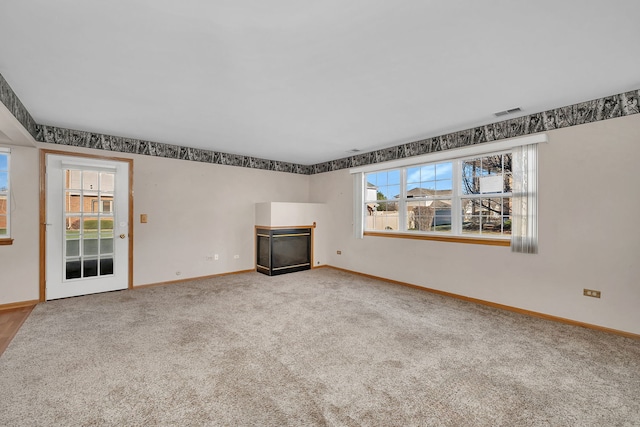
x: 143, y: 218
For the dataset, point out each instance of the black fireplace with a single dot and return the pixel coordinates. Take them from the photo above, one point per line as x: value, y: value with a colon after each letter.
x: 283, y: 250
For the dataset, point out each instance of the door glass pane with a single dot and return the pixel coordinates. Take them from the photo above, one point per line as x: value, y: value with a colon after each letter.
x: 106, y: 204
x: 106, y: 266
x: 73, y: 248
x: 106, y: 245
x: 89, y: 245
x: 107, y: 180
x: 90, y: 226
x: 73, y: 179
x: 106, y: 226
x: 73, y: 269
x: 90, y: 268
x: 72, y: 202
x: 90, y: 180
x: 72, y: 227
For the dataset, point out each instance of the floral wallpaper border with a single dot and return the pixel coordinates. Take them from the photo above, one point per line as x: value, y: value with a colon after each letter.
x: 77, y: 138
x: 610, y: 107
x: 15, y: 106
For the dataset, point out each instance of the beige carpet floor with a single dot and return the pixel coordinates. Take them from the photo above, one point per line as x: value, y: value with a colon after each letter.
x: 320, y: 347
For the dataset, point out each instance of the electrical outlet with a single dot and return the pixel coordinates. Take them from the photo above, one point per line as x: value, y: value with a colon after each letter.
x: 236, y: 256
x: 591, y: 293
x: 143, y: 218
x: 215, y: 257
x: 339, y: 252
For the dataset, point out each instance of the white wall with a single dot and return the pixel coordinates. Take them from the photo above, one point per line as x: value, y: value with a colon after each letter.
x: 194, y: 210
x: 589, y: 235
x: 589, y: 229
x: 19, y: 273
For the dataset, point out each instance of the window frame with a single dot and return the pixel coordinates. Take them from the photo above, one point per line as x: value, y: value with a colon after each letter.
x: 452, y: 155
x: 7, y: 239
x: 457, y: 198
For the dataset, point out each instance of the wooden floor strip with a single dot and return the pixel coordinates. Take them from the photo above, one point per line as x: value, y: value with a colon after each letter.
x: 10, y: 323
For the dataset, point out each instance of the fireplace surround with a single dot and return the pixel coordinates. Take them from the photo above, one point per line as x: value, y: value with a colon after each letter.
x: 283, y: 250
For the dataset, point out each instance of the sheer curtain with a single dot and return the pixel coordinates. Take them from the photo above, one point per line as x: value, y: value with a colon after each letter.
x: 524, y: 227
x: 358, y: 205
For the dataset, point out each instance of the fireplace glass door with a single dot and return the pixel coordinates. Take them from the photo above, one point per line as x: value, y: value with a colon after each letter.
x: 282, y: 251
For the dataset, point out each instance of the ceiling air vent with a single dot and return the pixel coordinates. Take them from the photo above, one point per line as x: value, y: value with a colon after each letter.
x: 505, y: 112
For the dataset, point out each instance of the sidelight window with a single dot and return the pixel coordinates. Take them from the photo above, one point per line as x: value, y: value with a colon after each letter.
x: 5, y: 197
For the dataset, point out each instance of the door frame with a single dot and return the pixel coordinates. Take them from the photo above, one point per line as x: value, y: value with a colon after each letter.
x: 43, y: 211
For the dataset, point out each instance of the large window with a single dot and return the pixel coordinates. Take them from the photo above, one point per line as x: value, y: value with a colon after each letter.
x: 5, y: 197
x: 485, y: 194
x: 470, y: 196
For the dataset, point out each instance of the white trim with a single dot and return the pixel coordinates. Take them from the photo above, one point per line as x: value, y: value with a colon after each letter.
x: 453, y: 154
x: 5, y: 150
x: 88, y: 164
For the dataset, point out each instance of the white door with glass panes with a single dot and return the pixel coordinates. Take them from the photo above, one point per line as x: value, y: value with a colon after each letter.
x: 87, y: 229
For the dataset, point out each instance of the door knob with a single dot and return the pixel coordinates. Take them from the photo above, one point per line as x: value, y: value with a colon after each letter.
x: 122, y: 236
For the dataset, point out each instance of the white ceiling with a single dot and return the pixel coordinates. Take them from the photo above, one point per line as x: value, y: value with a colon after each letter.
x: 307, y: 81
